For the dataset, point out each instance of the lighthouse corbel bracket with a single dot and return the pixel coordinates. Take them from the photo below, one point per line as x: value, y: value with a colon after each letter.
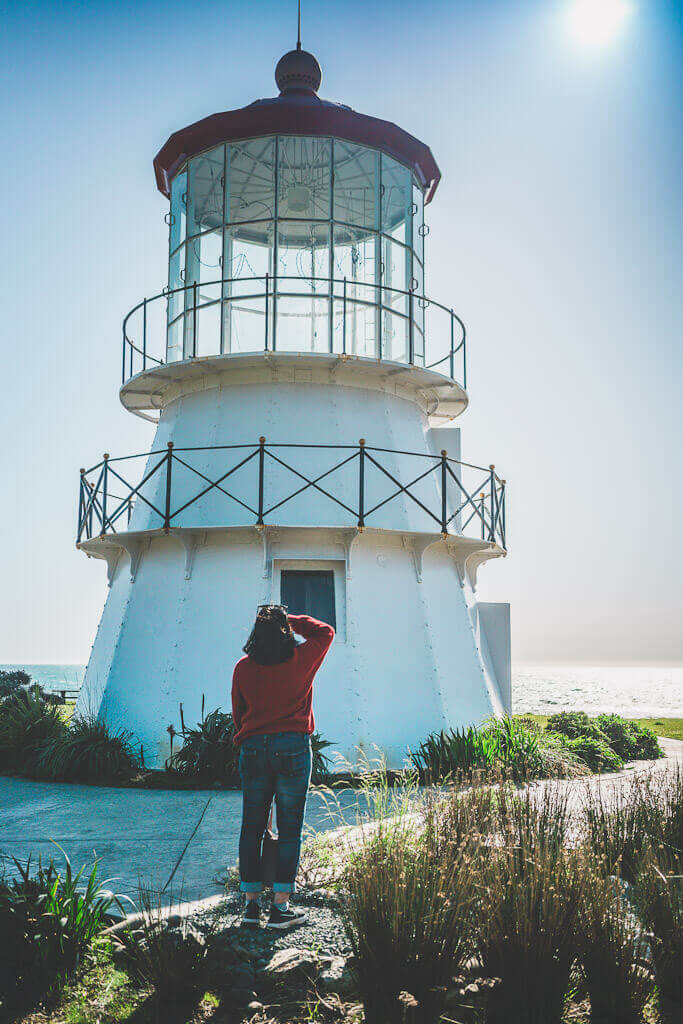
x: 191, y: 541
x: 268, y: 536
x: 468, y: 554
x: 416, y: 544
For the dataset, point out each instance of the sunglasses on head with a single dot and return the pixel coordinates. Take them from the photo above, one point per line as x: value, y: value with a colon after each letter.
x: 278, y: 607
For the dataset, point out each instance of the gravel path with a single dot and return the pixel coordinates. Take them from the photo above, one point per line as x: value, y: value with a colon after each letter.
x: 323, y: 931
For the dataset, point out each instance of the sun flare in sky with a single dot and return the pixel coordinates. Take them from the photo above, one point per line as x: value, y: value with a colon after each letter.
x: 596, y: 23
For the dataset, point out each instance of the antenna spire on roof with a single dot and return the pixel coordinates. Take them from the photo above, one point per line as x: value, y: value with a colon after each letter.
x: 298, y: 27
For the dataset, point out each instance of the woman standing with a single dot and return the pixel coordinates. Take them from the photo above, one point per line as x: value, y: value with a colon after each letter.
x: 272, y: 698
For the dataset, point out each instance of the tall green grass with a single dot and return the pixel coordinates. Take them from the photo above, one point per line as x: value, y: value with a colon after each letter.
x: 407, y: 913
x: 529, y: 890
x: 27, y: 721
x: 614, y: 949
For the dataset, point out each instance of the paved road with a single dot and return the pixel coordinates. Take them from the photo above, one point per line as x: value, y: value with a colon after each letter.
x: 171, y: 841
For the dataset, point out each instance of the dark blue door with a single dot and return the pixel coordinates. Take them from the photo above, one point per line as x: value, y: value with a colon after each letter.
x: 309, y: 592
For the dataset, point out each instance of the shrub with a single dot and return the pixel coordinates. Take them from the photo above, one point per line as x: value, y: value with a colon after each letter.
x: 529, y: 889
x: 10, y: 682
x: 596, y: 753
x: 26, y: 722
x: 47, y: 924
x: 458, y: 750
x: 320, y: 762
x: 614, y: 950
x: 510, y: 745
x: 209, y: 750
x: 172, y: 959
x: 628, y: 739
x: 88, y: 749
x: 659, y: 896
x: 573, y: 724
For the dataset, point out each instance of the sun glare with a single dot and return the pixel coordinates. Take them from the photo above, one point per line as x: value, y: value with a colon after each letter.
x: 595, y: 23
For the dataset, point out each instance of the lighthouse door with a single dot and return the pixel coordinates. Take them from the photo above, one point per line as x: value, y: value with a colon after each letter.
x: 309, y: 592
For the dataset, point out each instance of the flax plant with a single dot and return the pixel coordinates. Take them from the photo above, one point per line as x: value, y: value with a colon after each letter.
x: 614, y: 949
x: 529, y: 888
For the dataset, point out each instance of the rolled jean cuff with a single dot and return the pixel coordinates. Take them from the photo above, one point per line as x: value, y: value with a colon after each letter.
x: 284, y: 886
x: 250, y: 886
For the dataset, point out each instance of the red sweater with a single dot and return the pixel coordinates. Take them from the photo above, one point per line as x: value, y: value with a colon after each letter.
x: 279, y: 698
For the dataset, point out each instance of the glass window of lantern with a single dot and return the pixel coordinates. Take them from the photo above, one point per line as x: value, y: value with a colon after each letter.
x: 356, y: 184
x: 250, y: 190
x: 248, y: 257
x: 178, y: 210
x: 304, y: 177
x: 204, y: 257
x: 303, y: 256
x: 396, y: 198
x: 418, y: 222
x: 205, y: 191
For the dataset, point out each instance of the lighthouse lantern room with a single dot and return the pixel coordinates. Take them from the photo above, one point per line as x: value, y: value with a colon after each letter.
x: 304, y: 389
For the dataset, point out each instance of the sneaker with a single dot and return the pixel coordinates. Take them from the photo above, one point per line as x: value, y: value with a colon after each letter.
x: 284, y: 919
x: 252, y: 914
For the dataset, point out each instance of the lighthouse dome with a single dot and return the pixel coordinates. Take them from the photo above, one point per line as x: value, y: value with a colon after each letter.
x: 298, y: 71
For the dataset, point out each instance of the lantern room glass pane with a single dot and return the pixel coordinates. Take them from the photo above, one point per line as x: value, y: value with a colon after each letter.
x: 178, y: 210
x: 355, y: 255
x: 204, y: 257
x: 245, y: 259
x: 304, y: 177
x: 303, y: 257
x: 205, y: 191
x: 250, y: 194
x: 396, y: 197
x: 356, y: 184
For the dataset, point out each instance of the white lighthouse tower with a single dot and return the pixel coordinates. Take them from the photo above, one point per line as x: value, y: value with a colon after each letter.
x: 305, y: 390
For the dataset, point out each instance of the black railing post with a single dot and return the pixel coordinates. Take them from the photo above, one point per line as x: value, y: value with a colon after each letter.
x: 452, y: 345
x: 361, y: 483
x: 492, y: 499
x: 144, y: 334
x: 261, y: 469
x: 81, y: 506
x: 266, y: 331
x: 167, y: 506
x: 130, y: 509
x: 344, y: 320
x: 411, y: 332
x: 91, y: 501
x: 194, y: 319
x: 444, y: 480
x: 105, y: 476
x: 123, y: 356
x: 482, y: 510
x: 502, y: 511
x: 464, y: 358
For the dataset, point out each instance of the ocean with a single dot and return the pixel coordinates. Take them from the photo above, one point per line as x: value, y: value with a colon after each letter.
x: 633, y: 691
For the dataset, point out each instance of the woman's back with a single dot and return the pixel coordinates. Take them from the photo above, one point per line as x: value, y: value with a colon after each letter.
x: 270, y: 698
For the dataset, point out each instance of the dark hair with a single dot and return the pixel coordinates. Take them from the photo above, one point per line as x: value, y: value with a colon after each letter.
x: 271, y: 640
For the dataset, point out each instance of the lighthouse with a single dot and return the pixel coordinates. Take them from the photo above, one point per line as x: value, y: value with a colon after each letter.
x: 306, y: 391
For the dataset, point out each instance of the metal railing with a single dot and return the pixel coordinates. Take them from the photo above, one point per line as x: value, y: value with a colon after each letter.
x: 454, y: 506
x: 403, y: 326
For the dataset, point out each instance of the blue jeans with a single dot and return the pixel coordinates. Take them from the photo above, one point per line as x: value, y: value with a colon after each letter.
x: 276, y: 765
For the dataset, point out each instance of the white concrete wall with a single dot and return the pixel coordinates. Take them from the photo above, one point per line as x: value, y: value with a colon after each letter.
x: 493, y: 627
x: 298, y: 413
x: 405, y: 661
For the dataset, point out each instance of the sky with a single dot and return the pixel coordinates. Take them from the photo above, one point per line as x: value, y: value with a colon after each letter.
x: 555, y: 233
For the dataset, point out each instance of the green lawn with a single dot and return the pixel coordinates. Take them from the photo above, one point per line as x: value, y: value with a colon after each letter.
x: 672, y: 728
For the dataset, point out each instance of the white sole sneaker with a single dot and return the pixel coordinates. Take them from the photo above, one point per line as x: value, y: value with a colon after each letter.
x: 292, y: 922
